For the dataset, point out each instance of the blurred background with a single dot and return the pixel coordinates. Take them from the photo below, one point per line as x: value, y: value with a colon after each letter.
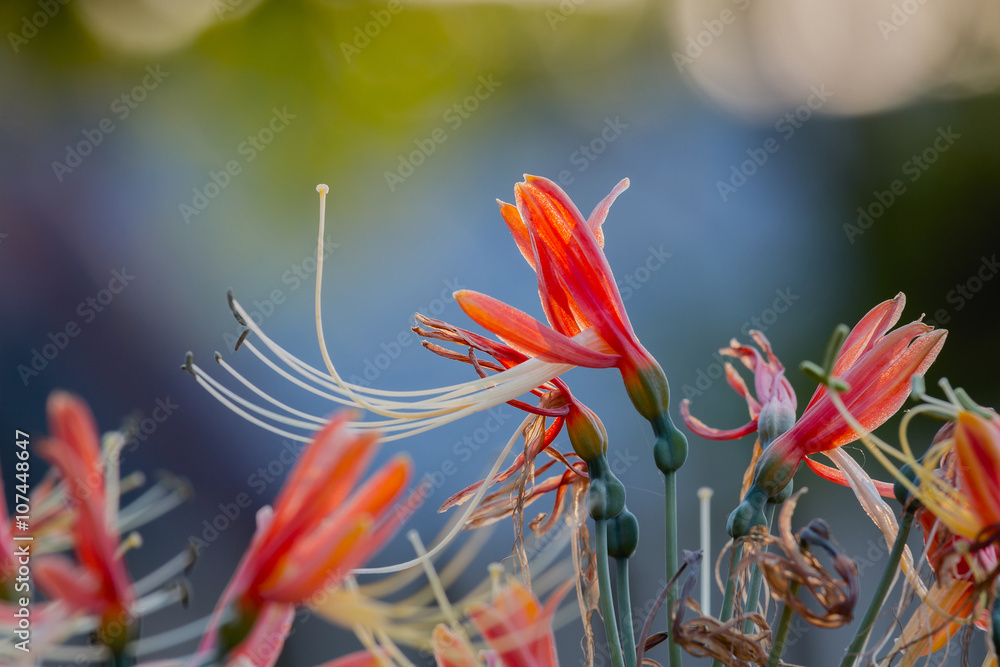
x: 792, y: 164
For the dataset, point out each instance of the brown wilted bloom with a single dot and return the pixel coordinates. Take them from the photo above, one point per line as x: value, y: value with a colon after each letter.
x: 704, y: 636
x: 836, y: 595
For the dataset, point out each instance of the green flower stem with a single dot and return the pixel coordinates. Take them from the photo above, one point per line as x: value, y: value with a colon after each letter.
x: 757, y: 578
x: 778, y: 647
x: 625, y: 612
x: 783, y: 626
x: 891, y: 568
x: 670, y: 488
x: 604, y: 585
x: 727, y: 601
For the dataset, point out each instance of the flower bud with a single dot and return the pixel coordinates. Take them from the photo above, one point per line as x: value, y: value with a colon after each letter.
x: 775, y: 418
x: 671, y: 447
x: 606, y: 495
x: 647, y: 386
x: 748, y: 514
x: 586, y: 432
x: 623, y: 535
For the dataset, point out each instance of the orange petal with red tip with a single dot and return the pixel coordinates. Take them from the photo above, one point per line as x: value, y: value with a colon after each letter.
x: 834, y: 475
x: 977, y: 447
x: 523, y: 332
x: 600, y: 212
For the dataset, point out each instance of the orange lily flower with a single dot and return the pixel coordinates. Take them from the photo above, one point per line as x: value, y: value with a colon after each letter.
x: 317, y: 532
x: 963, y: 545
x: 99, y: 583
x: 878, y: 366
x: 587, y: 322
x: 516, y: 626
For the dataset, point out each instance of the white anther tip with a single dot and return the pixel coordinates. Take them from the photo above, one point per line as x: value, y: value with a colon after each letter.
x: 322, y: 188
x: 705, y: 492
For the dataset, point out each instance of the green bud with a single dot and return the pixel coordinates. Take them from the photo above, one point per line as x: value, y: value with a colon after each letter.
x: 606, y: 496
x: 623, y: 535
x: 748, y: 514
x: 586, y: 432
x: 671, y: 447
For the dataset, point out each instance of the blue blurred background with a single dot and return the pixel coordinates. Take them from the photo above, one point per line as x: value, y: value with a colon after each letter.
x: 792, y: 164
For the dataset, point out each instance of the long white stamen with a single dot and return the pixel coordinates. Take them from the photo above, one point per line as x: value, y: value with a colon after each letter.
x: 165, y: 572
x: 267, y: 397
x: 460, y: 523
x: 705, y: 498
x: 436, y: 586
x: 170, y: 638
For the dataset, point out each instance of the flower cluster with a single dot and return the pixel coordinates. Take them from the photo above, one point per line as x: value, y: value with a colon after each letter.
x: 310, y: 550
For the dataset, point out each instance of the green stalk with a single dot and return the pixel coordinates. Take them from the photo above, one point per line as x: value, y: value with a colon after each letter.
x: 757, y: 578
x: 727, y: 601
x: 625, y: 612
x: 891, y: 568
x: 604, y: 585
x: 783, y: 626
x: 670, y: 488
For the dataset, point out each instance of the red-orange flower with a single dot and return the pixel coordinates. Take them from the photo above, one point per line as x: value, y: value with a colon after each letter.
x: 516, y: 626
x: 587, y: 322
x: 878, y: 366
x: 317, y: 532
x: 98, y: 583
x: 962, y: 543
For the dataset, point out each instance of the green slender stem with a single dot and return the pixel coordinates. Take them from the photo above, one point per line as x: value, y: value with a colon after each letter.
x: 781, y: 635
x: 625, y: 612
x: 891, y: 568
x: 607, y: 603
x: 727, y: 601
x: 783, y: 626
x: 757, y: 578
x: 670, y: 488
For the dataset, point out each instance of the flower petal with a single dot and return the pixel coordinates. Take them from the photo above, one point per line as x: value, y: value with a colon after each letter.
x: 600, y: 212
x: 831, y: 474
x: 699, y: 428
x: 525, y: 333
